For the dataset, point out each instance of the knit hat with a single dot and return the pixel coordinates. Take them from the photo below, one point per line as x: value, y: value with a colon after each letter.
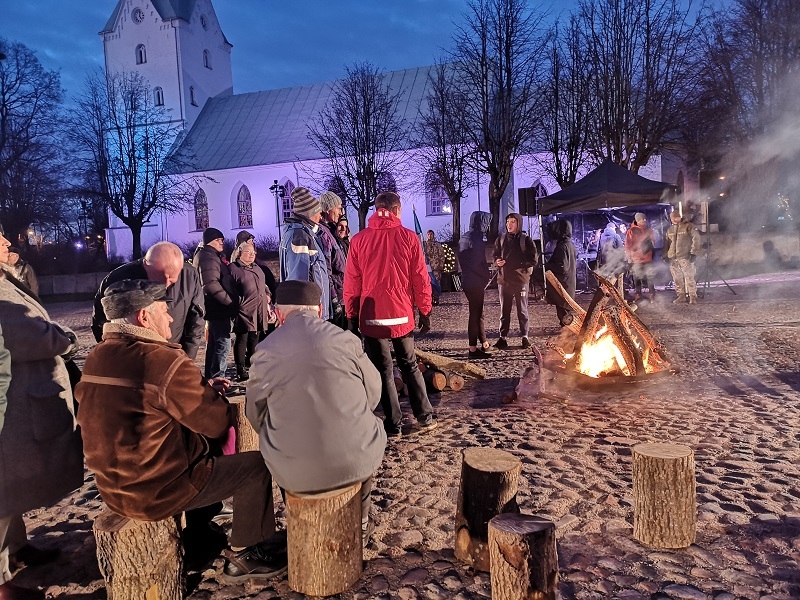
x: 303, y: 203
x: 244, y: 236
x: 640, y: 218
x: 211, y: 234
x: 301, y: 293
x: 127, y: 296
x: 329, y: 200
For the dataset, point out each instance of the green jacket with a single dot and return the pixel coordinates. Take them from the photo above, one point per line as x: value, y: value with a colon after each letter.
x: 681, y: 241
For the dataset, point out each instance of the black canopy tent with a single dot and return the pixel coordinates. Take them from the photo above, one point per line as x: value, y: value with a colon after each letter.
x: 608, y: 186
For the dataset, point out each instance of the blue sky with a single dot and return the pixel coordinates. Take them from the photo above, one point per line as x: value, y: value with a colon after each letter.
x: 275, y: 44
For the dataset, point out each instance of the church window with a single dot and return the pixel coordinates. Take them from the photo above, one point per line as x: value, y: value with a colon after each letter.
x: 200, y: 210
x: 287, y: 206
x: 141, y: 54
x: 207, y: 59
x: 158, y: 96
x: 192, y: 97
x: 244, y: 207
x: 203, y: 22
x: 436, y: 200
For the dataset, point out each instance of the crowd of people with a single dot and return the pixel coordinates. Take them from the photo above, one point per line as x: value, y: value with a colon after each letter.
x: 345, y: 310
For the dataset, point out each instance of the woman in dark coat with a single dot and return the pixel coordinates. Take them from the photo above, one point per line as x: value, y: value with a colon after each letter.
x: 252, y: 320
x: 563, y: 265
x: 474, y: 277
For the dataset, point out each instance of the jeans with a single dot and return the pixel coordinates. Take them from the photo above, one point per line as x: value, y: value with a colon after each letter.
x: 379, y: 352
x: 509, y: 294
x: 218, y: 347
x: 245, y: 477
x: 475, y: 328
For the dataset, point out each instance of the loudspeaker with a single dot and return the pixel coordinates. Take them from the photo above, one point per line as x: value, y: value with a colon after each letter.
x: 527, y: 201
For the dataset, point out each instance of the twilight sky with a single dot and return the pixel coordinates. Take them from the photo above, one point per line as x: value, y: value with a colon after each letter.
x: 275, y: 44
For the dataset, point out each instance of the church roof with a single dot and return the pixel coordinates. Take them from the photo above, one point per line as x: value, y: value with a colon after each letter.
x: 271, y: 127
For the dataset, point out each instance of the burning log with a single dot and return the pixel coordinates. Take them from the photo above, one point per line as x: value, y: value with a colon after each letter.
x: 577, y: 309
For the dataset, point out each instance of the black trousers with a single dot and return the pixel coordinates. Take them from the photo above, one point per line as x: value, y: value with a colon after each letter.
x: 475, y: 327
x: 244, y: 346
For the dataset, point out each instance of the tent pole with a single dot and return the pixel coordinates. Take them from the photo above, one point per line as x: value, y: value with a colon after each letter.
x: 541, y: 241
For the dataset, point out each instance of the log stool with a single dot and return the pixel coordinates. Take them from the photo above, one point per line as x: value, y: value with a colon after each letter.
x: 246, y: 436
x: 524, y: 560
x: 139, y: 559
x: 324, y: 541
x: 488, y: 488
x: 664, y: 502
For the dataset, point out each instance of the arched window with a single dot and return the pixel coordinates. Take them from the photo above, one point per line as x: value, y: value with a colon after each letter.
x: 141, y: 54
x: 207, y: 59
x: 244, y: 207
x: 200, y: 210
x: 541, y: 191
x: 287, y: 200
x: 436, y: 200
x: 158, y: 96
x: 192, y: 97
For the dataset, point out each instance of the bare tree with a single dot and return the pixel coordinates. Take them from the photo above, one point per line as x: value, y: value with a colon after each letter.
x: 445, y: 150
x: 30, y: 171
x: 122, y: 142
x: 566, y: 106
x: 499, y: 59
x: 361, y: 134
x: 641, y: 56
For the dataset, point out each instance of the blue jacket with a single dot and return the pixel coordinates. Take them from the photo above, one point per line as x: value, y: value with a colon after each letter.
x: 302, y: 258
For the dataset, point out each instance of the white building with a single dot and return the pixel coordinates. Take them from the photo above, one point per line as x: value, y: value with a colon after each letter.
x: 239, y: 145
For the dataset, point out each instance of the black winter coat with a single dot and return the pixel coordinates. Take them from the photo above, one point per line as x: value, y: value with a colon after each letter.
x: 251, y: 291
x: 563, y: 262
x: 472, y: 252
x: 186, y: 305
x: 218, y: 285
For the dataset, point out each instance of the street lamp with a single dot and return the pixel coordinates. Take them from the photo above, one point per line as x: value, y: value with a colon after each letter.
x: 279, y: 192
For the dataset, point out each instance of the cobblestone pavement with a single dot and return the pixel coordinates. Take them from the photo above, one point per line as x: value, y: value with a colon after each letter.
x: 735, y: 402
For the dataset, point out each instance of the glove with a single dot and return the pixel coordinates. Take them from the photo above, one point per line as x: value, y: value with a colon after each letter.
x: 692, y: 258
x: 337, y: 308
x: 352, y: 326
x: 424, y: 323
x: 73, y: 347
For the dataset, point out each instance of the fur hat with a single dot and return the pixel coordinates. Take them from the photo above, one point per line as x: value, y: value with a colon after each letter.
x: 302, y: 293
x: 211, y: 234
x: 329, y: 200
x: 127, y: 296
x: 303, y: 203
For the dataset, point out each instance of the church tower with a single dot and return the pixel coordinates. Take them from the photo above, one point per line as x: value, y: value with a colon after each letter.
x: 177, y: 46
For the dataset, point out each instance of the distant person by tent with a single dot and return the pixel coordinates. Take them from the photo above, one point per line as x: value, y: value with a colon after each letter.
x: 563, y: 264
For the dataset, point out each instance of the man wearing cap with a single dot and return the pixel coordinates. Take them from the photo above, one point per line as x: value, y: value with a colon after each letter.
x: 40, y: 447
x: 681, y: 247
x: 331, y: 211
x: 310, y: 396
x: 220, y: 300
x: 156, y: 449
x: 163, y: 263
x: 22, y: 270
x: 301, y: 254
x: 385, y: 278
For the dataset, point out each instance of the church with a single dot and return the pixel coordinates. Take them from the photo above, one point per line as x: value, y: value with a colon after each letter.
x: 248, y: 151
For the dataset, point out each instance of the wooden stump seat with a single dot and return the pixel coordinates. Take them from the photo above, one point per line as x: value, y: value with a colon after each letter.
x: 488, y: 488
x: 524, y: 560
x: 139, y: 560
x: 324, y: 541
x: 664, y: 497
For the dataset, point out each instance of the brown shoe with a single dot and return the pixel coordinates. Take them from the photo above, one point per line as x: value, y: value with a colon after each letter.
x: 692, y: 299
x: 679, y: 300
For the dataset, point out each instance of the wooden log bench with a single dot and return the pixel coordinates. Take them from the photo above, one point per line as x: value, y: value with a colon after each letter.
x: 324, y: 542
x: 523, y: 557
x: 488, y: 487
x: 139, y: 560
x: 664, y: 495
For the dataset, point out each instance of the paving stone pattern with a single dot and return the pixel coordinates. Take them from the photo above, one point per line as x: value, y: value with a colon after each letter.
x: 735, y: 402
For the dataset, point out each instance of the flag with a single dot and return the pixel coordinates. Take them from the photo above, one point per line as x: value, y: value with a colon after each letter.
x: 437, y: 290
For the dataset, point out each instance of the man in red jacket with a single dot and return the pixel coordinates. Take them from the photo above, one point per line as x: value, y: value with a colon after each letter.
x: 384, y: 279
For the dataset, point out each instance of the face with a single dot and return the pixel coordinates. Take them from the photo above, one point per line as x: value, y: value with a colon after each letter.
x: 4, y: 244
x: 431, y: 237
x: 13, y: 257
x: 675, y: 218
x: 512, y: 226
x: 342, y: 230
x: 334, y: 214
x: 164, y: 271
x: 159, y: 320
x: 216, y: 244
x: 248, y: 255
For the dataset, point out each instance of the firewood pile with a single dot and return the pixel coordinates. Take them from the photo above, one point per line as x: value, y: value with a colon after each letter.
x: 440, y: 373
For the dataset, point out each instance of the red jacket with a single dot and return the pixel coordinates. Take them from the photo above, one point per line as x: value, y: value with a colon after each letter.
x: 385, y: 278
x: 639, y: 244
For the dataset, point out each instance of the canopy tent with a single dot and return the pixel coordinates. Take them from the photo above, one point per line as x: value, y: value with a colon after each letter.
x: 608, y: 186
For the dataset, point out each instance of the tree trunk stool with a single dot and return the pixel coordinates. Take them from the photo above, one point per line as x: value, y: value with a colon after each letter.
x: 246, y: 436
x: 139, y: 560
x: 664, y: 501
x: 488, y: 488
x: 524, y: 560
x: 324, y: 541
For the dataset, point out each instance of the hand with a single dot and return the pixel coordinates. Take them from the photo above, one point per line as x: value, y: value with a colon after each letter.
x: 337, y: 308
x: 221, y: 384
x: 424, y: 323
x: 500, y: 262
x: 352, y: 326
x: 73, y: 347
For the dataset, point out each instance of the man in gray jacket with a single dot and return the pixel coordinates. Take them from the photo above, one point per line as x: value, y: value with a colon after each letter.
x: 310, y: 396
